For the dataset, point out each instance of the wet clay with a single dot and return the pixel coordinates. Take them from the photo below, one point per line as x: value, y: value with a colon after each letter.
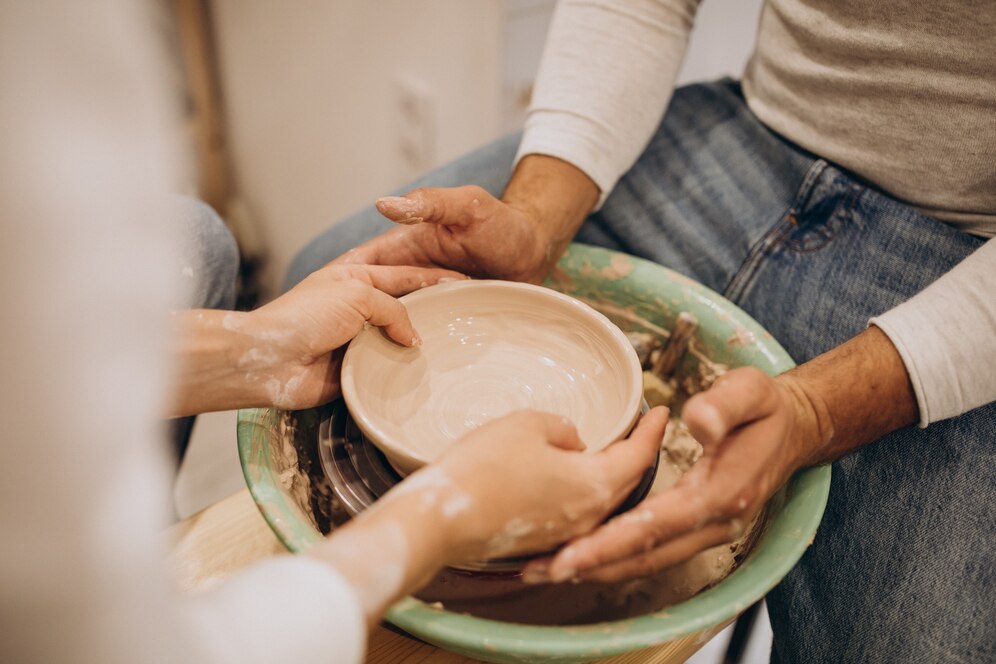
x: 490, y: 348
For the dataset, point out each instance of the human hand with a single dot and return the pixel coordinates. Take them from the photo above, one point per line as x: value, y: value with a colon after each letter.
x: 518, y: 238
x: 518, y: 483
x: 463, y: 228
x: 298, y: 334
x: 755, y: 431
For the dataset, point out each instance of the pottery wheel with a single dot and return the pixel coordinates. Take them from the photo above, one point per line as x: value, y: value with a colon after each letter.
x: 360, y: 474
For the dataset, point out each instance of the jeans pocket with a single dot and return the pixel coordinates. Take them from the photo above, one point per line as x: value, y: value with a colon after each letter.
x: 813, y: 225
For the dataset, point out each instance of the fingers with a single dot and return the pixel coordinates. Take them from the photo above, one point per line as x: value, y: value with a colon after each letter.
x: 390, y: 315
x: 628, y: 459
x: 395, y: 247
x: 456, y: 206
x: 557, y: 430
x: 629, y: 534
x: 392, y: 279
x: 561, y: 433
x: 537, y: 570
x: 670, y: 554
x: 739, y: 397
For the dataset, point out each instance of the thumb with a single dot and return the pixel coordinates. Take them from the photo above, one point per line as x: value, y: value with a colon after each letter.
x: 739, y: 397
x: 454, y: 206
x: 390, y: 315
x: 561, y: 433
x: 628, y: 459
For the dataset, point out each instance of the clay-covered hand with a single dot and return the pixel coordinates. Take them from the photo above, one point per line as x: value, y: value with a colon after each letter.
x: 461, y: 228
x: 520, y: 483
x: 299, y: 333
x: 754, y: 430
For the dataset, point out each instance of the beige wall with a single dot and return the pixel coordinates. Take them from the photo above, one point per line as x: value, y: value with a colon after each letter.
x: 312, y: 98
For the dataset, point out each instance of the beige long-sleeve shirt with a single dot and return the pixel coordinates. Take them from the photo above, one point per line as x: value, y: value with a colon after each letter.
x: 901, y: 93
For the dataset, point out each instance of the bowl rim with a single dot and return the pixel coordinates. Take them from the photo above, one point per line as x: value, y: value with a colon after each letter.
x: 802, y: 503
x: 406, y: 460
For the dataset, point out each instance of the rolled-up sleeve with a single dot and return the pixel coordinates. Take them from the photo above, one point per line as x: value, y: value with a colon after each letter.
x: 946, y: 335
x: 607, y: 74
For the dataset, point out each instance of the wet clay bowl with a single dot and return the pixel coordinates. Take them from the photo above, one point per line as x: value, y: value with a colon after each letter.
x: 490, y: 348
x: 292, y: 495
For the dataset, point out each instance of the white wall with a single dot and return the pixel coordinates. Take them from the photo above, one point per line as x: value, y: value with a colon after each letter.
x: 312, y: 93
x: 722, y: 39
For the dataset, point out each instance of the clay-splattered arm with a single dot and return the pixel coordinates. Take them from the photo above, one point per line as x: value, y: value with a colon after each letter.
x: 284, y: 354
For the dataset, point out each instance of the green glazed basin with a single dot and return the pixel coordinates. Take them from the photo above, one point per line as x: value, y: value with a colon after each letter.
x: 638, y: 295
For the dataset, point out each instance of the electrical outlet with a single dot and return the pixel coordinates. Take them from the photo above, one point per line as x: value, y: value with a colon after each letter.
x: 414, y: 126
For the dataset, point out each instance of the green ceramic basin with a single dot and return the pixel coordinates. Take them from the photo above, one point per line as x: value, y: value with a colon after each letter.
x: 638, y: 295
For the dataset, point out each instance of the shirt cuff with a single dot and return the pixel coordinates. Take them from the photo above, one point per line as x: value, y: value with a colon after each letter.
x: 894, y: 327
x: 286, y: 609
x: 944, y: 335
x: 575, y: 139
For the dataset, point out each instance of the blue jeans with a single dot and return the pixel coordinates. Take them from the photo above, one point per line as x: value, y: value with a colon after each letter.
x: 903, y: 567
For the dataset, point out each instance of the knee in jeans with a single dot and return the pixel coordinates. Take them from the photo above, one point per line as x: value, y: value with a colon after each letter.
x: 210, y: 256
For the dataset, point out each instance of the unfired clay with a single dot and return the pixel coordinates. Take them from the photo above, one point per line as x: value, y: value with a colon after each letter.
x: 489, y: 348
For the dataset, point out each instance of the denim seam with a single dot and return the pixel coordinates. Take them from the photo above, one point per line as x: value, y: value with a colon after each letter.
x: 738, y: 285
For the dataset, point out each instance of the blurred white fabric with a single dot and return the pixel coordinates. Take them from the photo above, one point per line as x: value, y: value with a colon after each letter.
x: 86, y: 150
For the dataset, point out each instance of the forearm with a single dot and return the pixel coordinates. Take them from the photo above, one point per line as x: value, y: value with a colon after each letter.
x: 220, y: 362
x: 395, y: 547
x: 850, y: 396
x: 556, y: 196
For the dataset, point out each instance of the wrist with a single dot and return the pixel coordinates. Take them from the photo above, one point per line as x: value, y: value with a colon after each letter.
x: 812, y: 425
x: 431, y: 500
x: 853, y: 394
x: 264, y: 357
x: 555, y: 197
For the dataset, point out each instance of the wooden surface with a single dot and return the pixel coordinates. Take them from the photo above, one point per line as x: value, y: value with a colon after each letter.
x: 231, y: 534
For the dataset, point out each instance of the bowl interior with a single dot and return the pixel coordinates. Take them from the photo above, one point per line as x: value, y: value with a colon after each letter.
x: 489, y: 348
x: 637, y: 295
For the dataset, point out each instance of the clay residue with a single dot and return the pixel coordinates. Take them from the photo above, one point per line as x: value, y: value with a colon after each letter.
x: 285, y: 456
x: 628, y: 315
x: 706, y: 372
x: 619, y: 266
x: 741, y: 337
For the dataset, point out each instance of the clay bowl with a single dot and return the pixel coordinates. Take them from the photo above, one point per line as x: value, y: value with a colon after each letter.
x: 290, y: 490
x: 490, y: 348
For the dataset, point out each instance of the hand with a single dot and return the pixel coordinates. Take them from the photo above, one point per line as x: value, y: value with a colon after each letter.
x: 524, y: 487
x: 285, y: 354
x: 298, y: 334
x: 463, y: 228
x: 754, y: 431
x: 518, y: 238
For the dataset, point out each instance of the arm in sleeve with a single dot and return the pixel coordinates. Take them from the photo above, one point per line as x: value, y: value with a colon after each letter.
x: 607, y: 74
x: 285, y: 609
x: 946, y: 335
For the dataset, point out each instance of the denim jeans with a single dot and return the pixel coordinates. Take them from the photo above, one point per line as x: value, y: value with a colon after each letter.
x: 903, y: 567
x: 208, y: 269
